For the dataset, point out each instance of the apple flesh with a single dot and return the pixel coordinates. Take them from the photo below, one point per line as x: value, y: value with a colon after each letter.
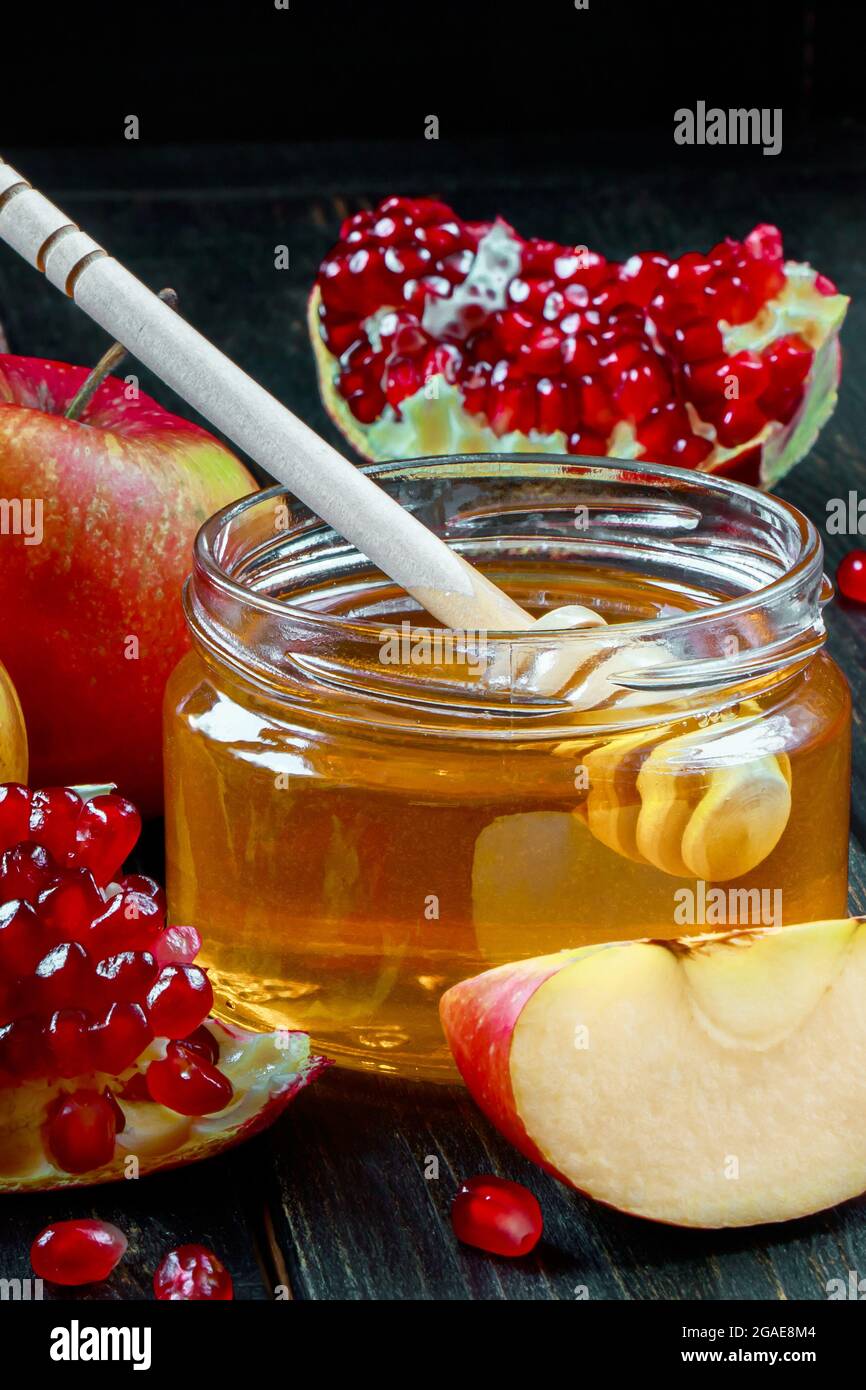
x: 711, y: 1081
x: 92, y: 617
x: 13, y: 736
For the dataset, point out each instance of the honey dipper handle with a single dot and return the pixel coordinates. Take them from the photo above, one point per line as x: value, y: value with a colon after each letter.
x: 245, y: 413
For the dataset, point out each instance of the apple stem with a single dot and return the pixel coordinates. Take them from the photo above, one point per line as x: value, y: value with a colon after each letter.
x: 108, y: 363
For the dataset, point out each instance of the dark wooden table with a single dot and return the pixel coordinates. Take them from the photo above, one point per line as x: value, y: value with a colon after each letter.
x: 333, y: 1202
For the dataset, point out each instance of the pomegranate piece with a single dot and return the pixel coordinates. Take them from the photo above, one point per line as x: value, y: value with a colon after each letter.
x: 80, y: 1131
x: 192, y: 1272
x: 88, y: 980
x: 77, y: 1252
x: 108, y: 828
x: 186, y: 1082
x: 851, y: 575
x: 180, y: 1000
x: 557, y: 345
x: 498, y: 1216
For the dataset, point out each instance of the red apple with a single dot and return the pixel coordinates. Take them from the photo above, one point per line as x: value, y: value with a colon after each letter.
x: 709, y: 1081
x: 90, y: 588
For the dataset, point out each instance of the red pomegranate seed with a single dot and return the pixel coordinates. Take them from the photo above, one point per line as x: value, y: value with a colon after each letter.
x: 25, y: 871
x: 80, y: 1132
x: 788, y: 360
x: 192, y: 1272
x: 203, y: 1042
x: 77, y: 1252
x: 739, y: 422
x: 146, y: 887
x: 22, y: 939
x: 498, y: 1216
x: 60, y: 978
x: 187, y: 1083
x: 54, y: 814
x: 130, y: 922
x: 180, y: 1000
x: 177, y: 946
x: 126, y: 976
x: 851, y: 576
x: 69, y: 905
x: 24, y: 1052
x: 14, y: 814
x: 119, y: 1038
x: 108, y: 828
x: 68, y: 1039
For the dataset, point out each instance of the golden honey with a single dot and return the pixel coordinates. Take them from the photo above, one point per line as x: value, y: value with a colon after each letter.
x: 352, y: 836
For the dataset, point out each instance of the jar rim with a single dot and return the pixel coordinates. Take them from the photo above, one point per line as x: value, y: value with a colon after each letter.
x: 808, y: 564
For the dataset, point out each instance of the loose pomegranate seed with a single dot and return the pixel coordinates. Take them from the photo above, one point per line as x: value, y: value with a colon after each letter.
x: 180, y: 1000
x: 851, y: 576
x: 54, y: 816
x: 192, y: 1272
x: 108, y: 828
x: 14, y: 814
x: 178, y: 946
x: 25, y: 871
x: 498, y: 1216
x: 77, y: 1252
x: 187, y: 1083
x: 70, y: 905
x: 80, y: 1132
x: 119, y: 1038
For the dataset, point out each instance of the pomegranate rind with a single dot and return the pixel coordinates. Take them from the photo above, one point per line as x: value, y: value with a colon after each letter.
x: 267, y: 1070
x: 435, y: 422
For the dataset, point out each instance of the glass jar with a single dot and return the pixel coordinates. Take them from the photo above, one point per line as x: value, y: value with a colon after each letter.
x: 363, y: 808
x: 13, y: 736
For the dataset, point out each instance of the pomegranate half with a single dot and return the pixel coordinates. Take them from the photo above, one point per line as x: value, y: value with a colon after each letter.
x: 438, y: 336
x: 109, y: 1064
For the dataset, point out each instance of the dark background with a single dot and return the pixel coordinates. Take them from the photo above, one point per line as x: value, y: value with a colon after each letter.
x: 206, y: 71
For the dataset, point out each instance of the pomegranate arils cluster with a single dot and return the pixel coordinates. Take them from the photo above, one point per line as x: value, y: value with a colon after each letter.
x: 91, y: 976
x: 569, y: 343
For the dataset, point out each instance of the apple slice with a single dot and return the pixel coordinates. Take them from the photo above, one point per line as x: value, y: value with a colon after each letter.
x: 709, y: 1081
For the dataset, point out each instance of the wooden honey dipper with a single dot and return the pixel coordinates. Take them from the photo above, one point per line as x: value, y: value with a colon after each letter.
x: 445, y: 584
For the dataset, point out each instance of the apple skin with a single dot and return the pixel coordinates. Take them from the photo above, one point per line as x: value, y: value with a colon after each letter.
x: 124, y: 491
x: 479, y: 1017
